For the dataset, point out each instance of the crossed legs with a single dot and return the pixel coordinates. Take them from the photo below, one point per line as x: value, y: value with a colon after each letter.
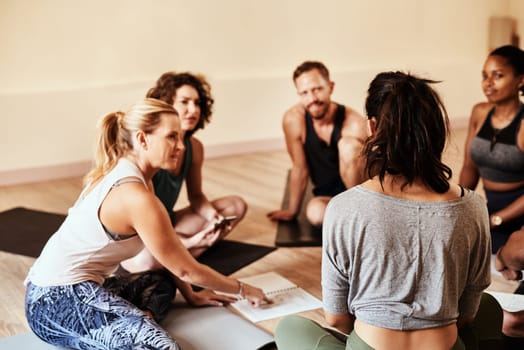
x: 194, y: 231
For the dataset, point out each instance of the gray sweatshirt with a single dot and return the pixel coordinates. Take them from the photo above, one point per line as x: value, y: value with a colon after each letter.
x: 402, y: 264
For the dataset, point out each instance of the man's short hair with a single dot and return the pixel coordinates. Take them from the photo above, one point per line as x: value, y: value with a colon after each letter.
x: 309, y: 66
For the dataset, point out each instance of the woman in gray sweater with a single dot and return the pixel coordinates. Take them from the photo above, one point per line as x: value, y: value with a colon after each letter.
x: 406, y: 254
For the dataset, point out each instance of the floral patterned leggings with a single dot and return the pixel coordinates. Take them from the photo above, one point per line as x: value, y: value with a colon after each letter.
x: 89, y: 316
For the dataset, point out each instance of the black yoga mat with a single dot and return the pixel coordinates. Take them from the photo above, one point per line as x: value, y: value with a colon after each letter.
x: 25, y: 231
x: 298, y: 232
x: 229, y: 256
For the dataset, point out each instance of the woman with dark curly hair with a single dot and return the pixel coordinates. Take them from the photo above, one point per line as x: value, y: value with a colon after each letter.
x: 203, y: 222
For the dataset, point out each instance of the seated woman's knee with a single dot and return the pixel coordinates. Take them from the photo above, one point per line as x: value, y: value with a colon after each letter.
x: 239, y: 205
x: 144, y: 261
x: 513, y: 325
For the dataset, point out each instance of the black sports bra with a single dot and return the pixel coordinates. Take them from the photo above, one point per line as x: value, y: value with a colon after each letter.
x: 495, y: 151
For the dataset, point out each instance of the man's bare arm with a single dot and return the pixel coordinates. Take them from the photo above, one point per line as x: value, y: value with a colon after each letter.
x: 293, y: 126
x: 353, y: 136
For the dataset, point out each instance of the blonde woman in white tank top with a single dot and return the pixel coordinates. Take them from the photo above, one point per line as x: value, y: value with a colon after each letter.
x: 70, y: 299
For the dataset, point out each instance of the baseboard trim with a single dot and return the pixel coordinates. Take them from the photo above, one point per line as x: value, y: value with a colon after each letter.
x: 45, y: 173
x: 54, y: 172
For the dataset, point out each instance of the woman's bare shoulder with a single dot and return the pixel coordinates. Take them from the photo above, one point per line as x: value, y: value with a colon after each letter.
x: 481, y: 110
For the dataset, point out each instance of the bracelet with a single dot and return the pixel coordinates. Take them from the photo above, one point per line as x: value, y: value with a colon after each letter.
x: 240, y: 289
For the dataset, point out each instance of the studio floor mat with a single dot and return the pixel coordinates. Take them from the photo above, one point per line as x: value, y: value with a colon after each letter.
x: 228, y: 256
x: 298, y: 232
x: 206, y: 328
x: 23, y: 341
x: 213, y: 328
x: 26, y: 231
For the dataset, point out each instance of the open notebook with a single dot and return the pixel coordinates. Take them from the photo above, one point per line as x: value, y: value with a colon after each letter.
x: 508, y: 301
x: 287, y: 298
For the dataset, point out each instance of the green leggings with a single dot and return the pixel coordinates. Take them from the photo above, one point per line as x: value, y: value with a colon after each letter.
x: 298, y: 333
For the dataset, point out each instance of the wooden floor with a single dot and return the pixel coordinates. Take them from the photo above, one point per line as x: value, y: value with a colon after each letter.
x: 258, y: 177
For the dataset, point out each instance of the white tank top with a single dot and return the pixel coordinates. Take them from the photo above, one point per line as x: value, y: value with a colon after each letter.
x: 81, y: 250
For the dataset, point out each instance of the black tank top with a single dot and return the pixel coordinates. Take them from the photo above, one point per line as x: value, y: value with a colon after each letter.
x: 322, y: 159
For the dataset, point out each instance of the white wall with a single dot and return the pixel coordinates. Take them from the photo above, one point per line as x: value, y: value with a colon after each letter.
x: 516, y: 10
x: 64, y: 63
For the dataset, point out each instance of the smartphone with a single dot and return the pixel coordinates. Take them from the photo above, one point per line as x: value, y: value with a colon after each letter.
x: 226, y: 220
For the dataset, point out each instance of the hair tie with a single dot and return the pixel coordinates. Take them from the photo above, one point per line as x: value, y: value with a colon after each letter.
x: 119, y: 117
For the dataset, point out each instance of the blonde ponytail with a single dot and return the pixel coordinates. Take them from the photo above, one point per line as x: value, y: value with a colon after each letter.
x: 115, y: 132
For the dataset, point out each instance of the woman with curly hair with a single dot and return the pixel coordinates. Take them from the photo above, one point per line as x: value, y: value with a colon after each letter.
x: 201, y: 224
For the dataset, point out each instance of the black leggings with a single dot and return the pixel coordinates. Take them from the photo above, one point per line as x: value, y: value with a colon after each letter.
x: 496, y: 202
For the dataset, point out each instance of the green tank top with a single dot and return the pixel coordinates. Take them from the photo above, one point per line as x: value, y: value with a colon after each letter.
x: 168, y: 186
